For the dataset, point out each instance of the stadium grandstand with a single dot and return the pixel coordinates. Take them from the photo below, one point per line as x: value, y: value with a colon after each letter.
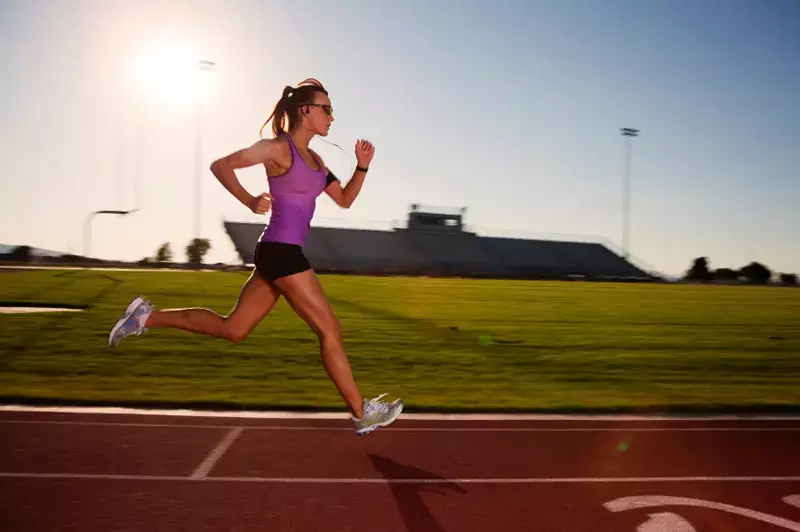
x: 436, y: 242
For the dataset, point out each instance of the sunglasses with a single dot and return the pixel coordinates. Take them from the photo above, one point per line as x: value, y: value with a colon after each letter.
x: 325, y: 107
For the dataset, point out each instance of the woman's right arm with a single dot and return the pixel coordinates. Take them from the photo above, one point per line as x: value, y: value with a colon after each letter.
x: 223, y: 168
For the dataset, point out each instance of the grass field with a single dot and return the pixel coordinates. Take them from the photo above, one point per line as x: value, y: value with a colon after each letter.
x: 445, y: 344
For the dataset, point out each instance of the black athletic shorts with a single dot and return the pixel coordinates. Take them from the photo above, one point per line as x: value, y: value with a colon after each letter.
x: 276, y: 259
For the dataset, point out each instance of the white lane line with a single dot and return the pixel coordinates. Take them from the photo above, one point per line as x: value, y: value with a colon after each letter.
x: 532, y: 480
x: 90, y: 476
x: 322, y: 480
x: 411, y: 416
x: 214, y: 456
x: 406, y: 429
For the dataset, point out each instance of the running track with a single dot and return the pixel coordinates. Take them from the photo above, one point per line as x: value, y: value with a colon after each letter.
x: 145, y: 472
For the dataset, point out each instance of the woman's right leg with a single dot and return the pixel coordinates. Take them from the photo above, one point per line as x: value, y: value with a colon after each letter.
x: 256, y: 299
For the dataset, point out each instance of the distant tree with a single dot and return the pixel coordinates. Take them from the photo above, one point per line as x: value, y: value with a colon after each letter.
x: 164, y: 253
x: 789, y: 279
x: 756, y: 273
x: 197, y: 249
x: 726, y: 274
x: 699, y: 270
x: 21, y: 254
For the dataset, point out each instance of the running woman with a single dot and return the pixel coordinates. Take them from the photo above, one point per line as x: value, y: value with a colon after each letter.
x: 297, y: 176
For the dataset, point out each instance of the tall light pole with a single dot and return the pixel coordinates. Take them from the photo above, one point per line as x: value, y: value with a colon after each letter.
x: 626, y: 185
x: 202, y: 66
x: 138, y: 176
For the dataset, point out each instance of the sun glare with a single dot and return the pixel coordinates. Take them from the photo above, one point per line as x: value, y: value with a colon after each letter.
x: 171, y: 73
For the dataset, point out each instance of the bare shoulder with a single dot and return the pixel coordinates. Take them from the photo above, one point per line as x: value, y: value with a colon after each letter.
x: 263, y: 151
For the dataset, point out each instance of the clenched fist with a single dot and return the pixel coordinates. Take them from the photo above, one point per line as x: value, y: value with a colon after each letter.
x: 261, y: 204
x: 364, y: 152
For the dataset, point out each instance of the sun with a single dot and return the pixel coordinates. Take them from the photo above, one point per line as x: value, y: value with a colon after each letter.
x: 171, y: 73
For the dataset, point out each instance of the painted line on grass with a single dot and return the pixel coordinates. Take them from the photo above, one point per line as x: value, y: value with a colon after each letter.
x: 322, y: 480
x: 247, y: 414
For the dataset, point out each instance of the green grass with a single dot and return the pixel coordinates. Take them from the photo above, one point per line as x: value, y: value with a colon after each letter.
x: 554, y: 345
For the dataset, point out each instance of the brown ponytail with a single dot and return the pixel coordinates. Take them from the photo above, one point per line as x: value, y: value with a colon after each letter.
x: 288, y: 106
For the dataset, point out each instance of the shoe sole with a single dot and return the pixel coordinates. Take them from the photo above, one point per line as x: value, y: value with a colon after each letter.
x: 372, y: 428
x: 136, y: 303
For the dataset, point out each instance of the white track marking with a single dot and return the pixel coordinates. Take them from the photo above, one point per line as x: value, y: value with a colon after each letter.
x: 794, y: 500
x: 410, y: 416
x: 92, y: 476
x: 213, y: 457
x: 666, y: 522
x: 322, y: 480
x: 403, y: 429
x: 532, y: 480
x: 653, y: 501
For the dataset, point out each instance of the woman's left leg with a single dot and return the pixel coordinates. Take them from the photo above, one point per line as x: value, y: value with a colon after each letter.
x: 305, y: 295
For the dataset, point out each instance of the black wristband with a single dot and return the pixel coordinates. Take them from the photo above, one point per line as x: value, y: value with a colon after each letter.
x: 365, y: 170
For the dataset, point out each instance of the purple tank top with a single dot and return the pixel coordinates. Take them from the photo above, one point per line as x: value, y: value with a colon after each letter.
x: 294, y: 199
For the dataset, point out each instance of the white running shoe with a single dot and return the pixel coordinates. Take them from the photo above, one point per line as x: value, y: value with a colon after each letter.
x: 377, y: 414
x: 131, y: 322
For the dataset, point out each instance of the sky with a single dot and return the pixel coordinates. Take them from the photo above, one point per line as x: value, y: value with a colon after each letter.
x: 510, y: 109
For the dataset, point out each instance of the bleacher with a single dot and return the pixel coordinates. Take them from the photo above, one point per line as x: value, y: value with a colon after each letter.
x: 359, y: 249
x: 244, y: 237
x: 436, y: 243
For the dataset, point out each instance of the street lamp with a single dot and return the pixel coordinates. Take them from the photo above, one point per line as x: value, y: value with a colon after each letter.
x: 626, y: 132
x: 87, y: 228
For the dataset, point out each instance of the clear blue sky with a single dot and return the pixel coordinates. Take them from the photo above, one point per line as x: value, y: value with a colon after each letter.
x: 511, y: 109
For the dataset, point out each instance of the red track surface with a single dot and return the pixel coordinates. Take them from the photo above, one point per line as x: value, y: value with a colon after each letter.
x: 135, y: 473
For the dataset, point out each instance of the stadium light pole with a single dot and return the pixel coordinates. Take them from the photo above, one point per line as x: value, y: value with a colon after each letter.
x: 138, y: 154
x: 626, y: 185
x: 87, y: 228
x: 202, y: 66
